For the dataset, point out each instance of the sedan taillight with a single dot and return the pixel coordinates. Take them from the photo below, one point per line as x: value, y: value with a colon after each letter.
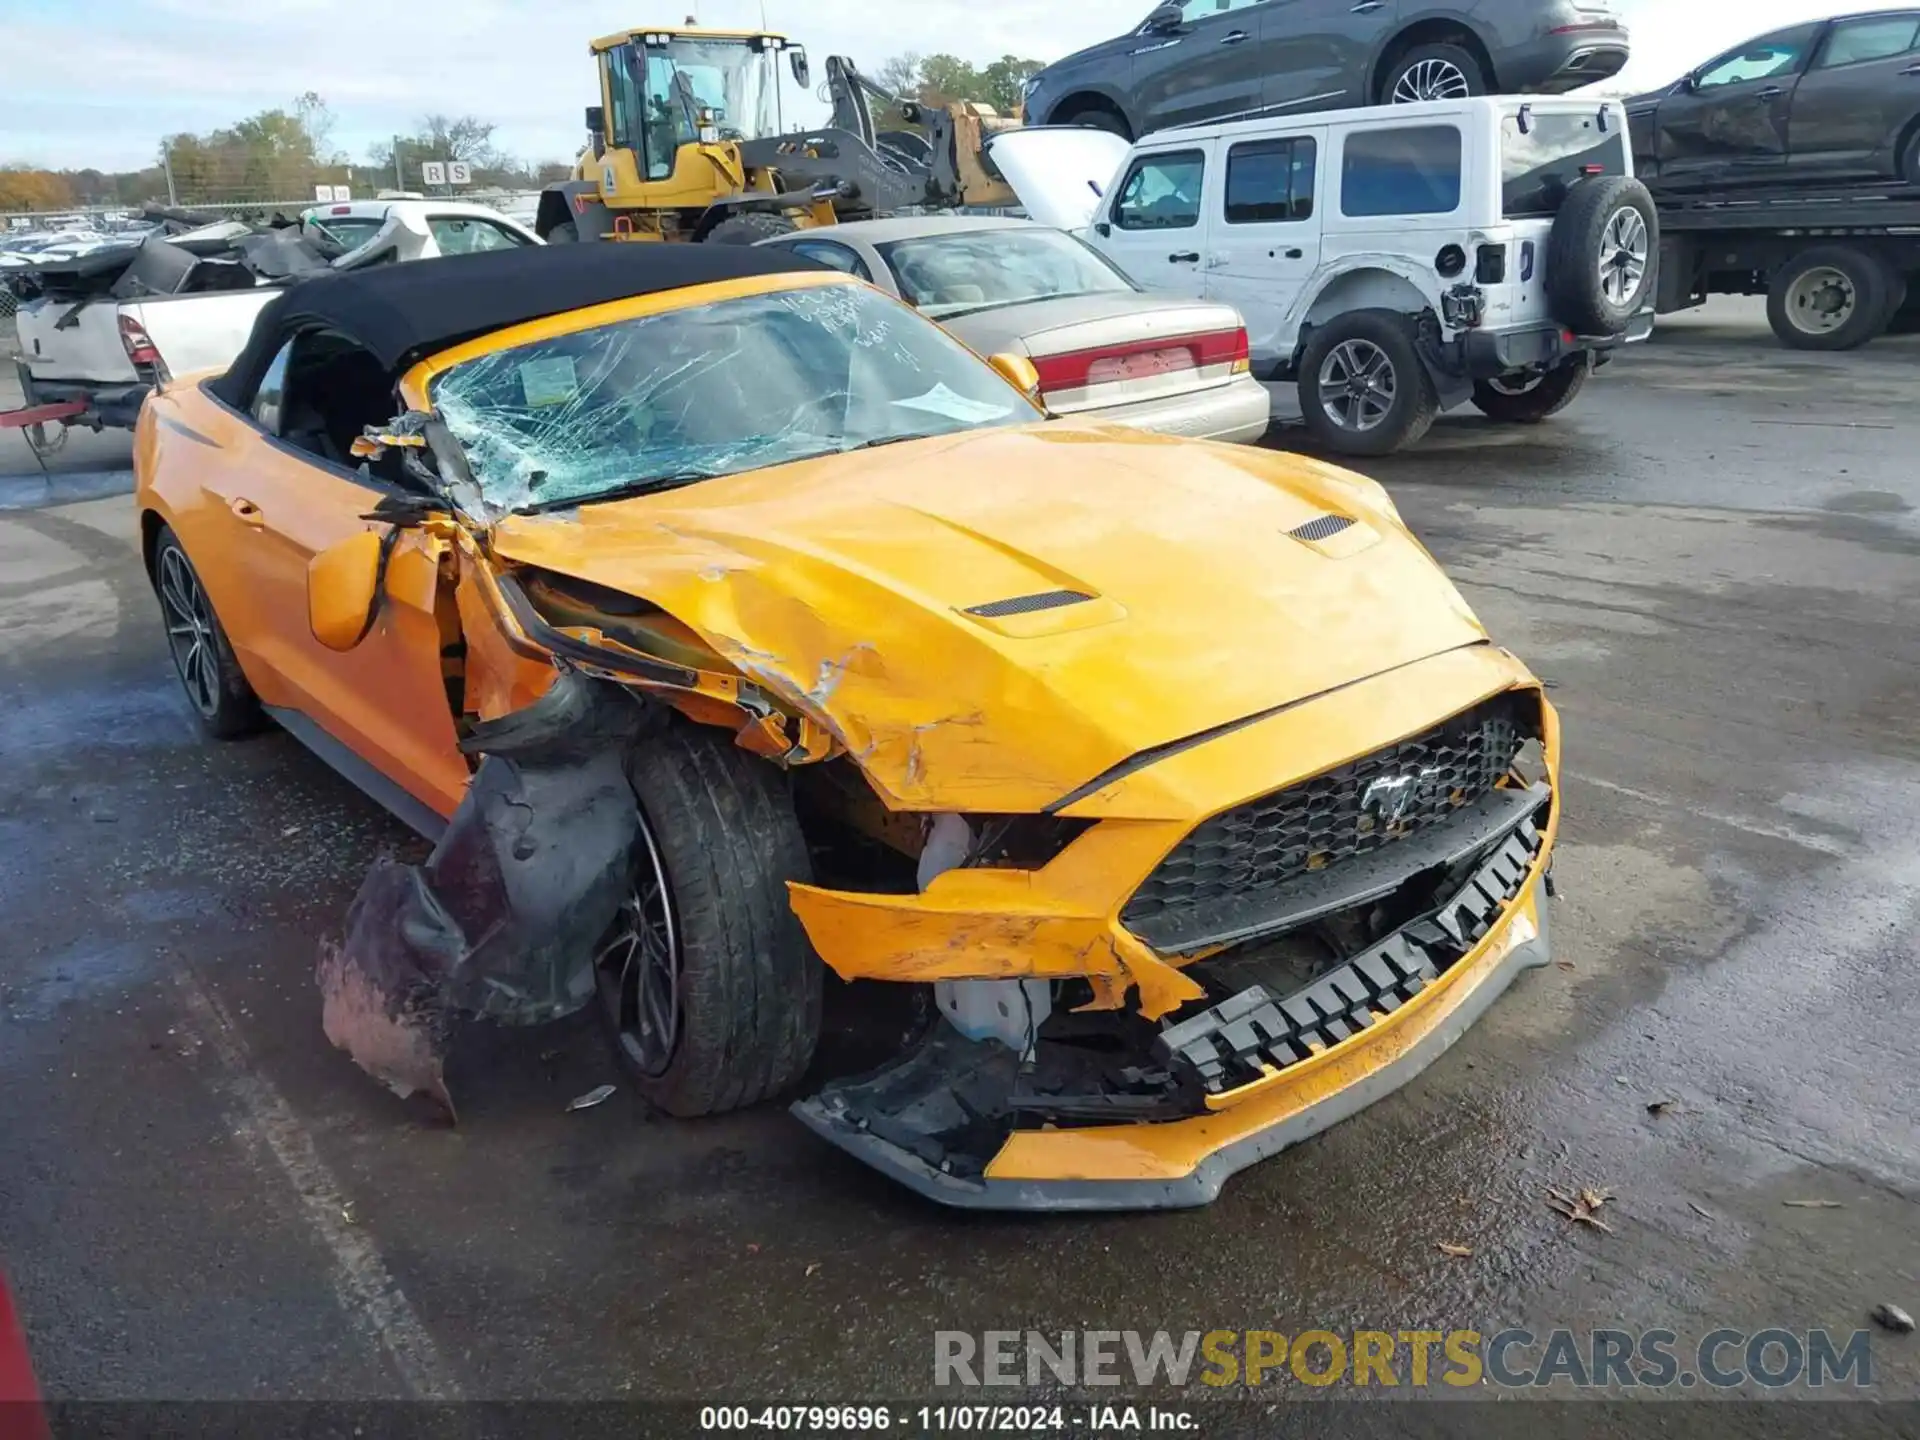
x: 1142, y: 359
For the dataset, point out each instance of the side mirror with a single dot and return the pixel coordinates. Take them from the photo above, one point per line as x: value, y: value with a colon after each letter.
x: 797, y: 62
x: 343, y: 589
x: 1164, y: 19
x: 596, y: 119
x: 1018, y: 371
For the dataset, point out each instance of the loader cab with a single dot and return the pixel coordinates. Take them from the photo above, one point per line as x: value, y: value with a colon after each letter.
x: 665, y: 90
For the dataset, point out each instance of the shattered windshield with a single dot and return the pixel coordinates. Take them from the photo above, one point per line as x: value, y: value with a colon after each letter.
x: 946, y: 275
x: 684, y: 395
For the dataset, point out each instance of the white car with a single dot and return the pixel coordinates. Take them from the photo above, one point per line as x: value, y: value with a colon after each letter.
x: 413, y: 229
x: 1104, y: 350
x: 1395, y: 261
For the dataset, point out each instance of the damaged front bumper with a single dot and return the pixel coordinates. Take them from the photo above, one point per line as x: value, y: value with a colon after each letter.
x: 1398, y: 1007
x: 1265, y: 1013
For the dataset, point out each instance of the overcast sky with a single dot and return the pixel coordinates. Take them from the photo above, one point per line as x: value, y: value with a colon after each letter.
x: 97, y: 82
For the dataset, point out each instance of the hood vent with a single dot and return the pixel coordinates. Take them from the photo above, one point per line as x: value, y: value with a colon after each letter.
x: 1322, y: 527
x: 1027, y: 604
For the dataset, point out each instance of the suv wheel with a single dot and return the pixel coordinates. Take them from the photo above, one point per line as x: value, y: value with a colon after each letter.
x: 1832, y: 297
x: 1363, y: 388
x: 1601, y: 253
x: 1433, y: 72
x: 1529, y: 399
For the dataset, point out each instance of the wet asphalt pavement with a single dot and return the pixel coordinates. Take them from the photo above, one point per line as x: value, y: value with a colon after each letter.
x: 1714, y: 561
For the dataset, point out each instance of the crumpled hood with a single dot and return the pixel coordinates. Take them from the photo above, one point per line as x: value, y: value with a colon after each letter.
x: 844, y: 584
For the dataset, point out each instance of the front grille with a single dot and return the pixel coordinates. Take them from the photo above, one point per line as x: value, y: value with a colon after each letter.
x: 1027, y: 604
x: 1227, y: 863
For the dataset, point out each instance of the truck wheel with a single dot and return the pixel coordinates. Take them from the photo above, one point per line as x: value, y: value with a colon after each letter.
x: 1600, y: 254
x: 1529, y: 399
x: 217, y: 689
x: 1832, y: 297
x: 748, y: 229
x: 565, y: 233
x: 706, y: 981
x: 1364, y: 389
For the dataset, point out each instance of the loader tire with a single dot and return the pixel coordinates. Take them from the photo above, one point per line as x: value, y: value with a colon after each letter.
x: 565, y: 233
x: 750, y: 228
x: 1601, y: 254
x: 718, y: 844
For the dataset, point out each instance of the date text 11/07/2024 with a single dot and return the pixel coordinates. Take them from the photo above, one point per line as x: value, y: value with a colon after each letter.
x: 948, y: 1419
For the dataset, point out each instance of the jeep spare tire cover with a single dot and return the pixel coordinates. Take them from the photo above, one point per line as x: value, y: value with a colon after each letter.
x: 1602, y: 254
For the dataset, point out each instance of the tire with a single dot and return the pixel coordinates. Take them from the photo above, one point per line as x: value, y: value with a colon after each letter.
x: 1906, y: 315
x: 718, y: 827
x: 565, y: 233
x: 1832, y: 297
x: 222, y: 700
x: 1601, y: 254
x: 1098, y: 119
x: 1542, y: 396
x: 1344, y: 346
x: 1449, y: 72
x: 1910, y: 158
x: 750, y: 228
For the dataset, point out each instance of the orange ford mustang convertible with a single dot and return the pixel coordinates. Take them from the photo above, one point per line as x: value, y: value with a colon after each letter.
x: 722, y: 619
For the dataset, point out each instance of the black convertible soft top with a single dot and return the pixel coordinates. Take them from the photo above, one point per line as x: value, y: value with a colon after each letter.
x: 401, y: 313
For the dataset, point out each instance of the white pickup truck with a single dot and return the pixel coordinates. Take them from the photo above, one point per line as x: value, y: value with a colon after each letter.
x: 104, y: 327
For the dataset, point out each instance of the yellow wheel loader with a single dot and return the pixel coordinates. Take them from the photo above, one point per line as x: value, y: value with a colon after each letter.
x: 688, y: 143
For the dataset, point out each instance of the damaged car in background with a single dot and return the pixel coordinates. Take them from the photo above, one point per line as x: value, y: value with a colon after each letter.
x: 99, y: 326
x: 726, y: 622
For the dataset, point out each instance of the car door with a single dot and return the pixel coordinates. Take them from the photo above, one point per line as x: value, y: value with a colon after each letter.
x: 1855, y: 101
x: 1211, y: 66
x: 1727, y: 122
x: 1318, y: 52
x: 385, y: 701
x: 1151, y: 228
x: 1263, y: 235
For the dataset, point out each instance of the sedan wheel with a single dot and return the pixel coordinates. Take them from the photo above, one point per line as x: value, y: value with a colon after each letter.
x: 638, y: 967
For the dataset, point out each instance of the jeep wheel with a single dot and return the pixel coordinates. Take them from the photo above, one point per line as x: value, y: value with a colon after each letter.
x: 707, y: 984
x: 1529, y: 399
x: 1600, y: 254
x: 1832, y: 297
x: 750, y: 228
x: 1363, y: 388
x: 1433, y: 72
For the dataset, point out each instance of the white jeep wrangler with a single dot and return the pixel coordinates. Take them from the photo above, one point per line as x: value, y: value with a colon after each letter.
x: 1396, y: 261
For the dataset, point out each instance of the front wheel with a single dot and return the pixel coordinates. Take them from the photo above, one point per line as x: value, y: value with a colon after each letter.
x: 1099, y: 119
x: 707, y: 984
x: 1529, y: 399
x: 1363, y: 388
x: 1832, y: 297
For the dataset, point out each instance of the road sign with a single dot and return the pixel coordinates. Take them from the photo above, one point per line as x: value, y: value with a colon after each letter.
x: 342, y: 194
x: 433, y: 173
x: 323, y: 193
x: 459, y: 172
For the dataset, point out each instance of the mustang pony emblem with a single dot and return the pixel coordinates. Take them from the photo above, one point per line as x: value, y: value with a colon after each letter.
x: 1389, y: 798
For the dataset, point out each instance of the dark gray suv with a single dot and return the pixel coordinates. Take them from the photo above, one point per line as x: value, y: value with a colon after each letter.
x: 1196, y: 60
